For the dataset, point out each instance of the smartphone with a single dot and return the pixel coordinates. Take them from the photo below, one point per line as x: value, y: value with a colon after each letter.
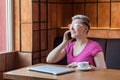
x: 69, y: 35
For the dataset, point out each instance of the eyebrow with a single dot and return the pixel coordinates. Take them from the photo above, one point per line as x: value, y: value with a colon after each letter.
x: 85, y: 24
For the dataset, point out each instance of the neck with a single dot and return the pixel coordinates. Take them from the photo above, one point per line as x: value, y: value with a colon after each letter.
x: 81, y: 41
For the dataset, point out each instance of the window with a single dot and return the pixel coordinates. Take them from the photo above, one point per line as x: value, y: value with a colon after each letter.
x: 9, y: 25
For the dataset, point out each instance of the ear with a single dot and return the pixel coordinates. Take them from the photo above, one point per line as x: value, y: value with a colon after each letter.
x: 86, y: 30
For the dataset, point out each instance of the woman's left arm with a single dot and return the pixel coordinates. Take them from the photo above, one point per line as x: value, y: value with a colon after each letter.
x: 100, y: 61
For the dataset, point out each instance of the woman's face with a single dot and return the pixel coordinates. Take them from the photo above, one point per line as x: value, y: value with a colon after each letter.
x: 77, y: 29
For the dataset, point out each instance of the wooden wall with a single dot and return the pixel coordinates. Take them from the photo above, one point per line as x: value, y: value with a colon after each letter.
x: 23, y: 31
x: 38, y: 22
x: 103, y: 14
x: 7, y: 62
x: 34, y: 35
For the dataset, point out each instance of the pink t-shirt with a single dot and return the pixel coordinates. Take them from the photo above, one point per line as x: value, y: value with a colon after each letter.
x: 87, y: 54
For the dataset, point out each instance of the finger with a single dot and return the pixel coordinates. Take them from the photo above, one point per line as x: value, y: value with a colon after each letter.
x: 72, y: 65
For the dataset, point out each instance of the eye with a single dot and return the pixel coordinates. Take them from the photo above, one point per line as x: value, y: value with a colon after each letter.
x: 76, y: 25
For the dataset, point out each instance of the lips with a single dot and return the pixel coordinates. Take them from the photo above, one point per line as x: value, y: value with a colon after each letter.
x: 73, y: 32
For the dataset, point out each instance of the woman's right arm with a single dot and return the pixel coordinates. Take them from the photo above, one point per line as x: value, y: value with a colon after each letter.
x: 58, y: 53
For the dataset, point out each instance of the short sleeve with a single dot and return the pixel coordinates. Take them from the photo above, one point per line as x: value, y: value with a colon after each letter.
x: 97, y: 48
x: 68, y: 47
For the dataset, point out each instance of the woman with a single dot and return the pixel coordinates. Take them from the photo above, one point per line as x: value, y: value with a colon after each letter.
x: 82, y: 49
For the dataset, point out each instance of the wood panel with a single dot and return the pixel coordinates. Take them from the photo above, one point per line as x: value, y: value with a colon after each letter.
x: 34, y: 0
x: 52, y: 18
x: 78, y: 9
x: 26, y: 13
x: 36, y: 26
x: 91, y: 0
x: 79, y: 0
x: 59, y: 15
x: 44, y: 38
x: 2, y: 62
x: 7, y: 62
x: 1, y: 76
x: 43, y: 56
x: 51, y: 37
x: 115, y: 16
x: 63, y: 0
x: 103, y: 0
x: 26, y: 37
x: 62, y: 11
x: 36, y: 41
x: 23, y: 59
x: 66, y: 10
x: 35, y: 11
x: 43, y: 11
x: 108, y: 34
x: 36, y: 55
x: 43, y: 25
x: 115, y: 0
x: 10, y: 61
x: 103, y: 20
x: 36, y: 61
x: 16, y: 24
x: 91, y: 12
x: 52, y: 0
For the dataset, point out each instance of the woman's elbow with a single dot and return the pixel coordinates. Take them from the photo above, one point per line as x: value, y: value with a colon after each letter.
x: 49, y: 60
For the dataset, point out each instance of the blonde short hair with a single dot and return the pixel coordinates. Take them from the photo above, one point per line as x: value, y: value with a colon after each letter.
x: 83, y: 19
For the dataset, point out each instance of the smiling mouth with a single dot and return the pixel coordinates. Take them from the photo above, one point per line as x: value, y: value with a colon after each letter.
x: 73, y: 32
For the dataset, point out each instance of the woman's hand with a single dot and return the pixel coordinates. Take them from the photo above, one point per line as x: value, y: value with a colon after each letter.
x: 93, y: 67
x: 65, y: 37
x: 72, y: 65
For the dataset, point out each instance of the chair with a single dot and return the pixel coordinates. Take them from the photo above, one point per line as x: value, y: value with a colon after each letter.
x: 113, y: 54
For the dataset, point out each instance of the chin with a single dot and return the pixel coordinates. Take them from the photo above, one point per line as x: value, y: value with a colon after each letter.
x: 73, y: 37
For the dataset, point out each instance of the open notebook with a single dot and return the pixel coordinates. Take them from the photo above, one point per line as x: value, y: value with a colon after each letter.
x: 51, y: 69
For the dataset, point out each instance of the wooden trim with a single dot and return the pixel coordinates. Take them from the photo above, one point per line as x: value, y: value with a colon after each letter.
x: 103, y: 33
x: 108, y: 33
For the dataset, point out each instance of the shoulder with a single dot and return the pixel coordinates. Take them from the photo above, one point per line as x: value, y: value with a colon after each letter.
x: 93, y: 43
x: 95, y: 47
x: 70, y: 44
